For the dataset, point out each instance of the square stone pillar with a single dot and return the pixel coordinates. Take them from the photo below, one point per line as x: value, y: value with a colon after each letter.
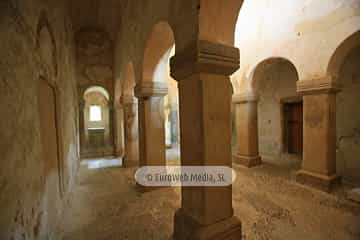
x: 131, y: 133
x: 205, y: 128
x: 246, y: 130
x: 110, y: 141
x: 119, y: 132
x: 151, y: 123
x: 319, y: 143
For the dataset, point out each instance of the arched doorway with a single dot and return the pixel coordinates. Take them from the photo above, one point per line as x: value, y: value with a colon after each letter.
x: 97, y: 124
x: 279, y: 110
x: 150, y: 91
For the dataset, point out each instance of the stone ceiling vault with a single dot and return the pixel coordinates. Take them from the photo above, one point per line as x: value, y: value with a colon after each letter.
x: 97, y: 13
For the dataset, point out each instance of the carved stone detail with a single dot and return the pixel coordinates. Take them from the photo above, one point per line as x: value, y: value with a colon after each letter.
x: 316, y: 86
x: 148, y: 89
x: 244, y: 98
x: 206, y: 57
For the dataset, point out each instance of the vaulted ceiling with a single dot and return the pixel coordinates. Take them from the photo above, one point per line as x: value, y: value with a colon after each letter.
x: 105, y: 14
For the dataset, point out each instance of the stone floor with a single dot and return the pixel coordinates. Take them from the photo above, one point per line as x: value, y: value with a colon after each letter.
x: 105, y: 206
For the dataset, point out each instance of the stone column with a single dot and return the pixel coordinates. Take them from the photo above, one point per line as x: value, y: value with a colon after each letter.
x: 247, y: 130
x: 118, y: 130
x: 82, y: 127
x: 174, y: 116
x: 319, y: 143
x: 110, y: 140
x: 205, y: 125
x: 131, y: 156
x: 151, y: 123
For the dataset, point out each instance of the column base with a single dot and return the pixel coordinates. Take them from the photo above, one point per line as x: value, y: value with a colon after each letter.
x: 144, y: 189
x: 118, y: 153
x: 318, y: 181
x: 130, y: 163
x: 187, y: 229
x: 247, y: 161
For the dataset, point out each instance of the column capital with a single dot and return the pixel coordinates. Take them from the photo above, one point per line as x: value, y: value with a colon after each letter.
x: 326, y: 84
x: 205, y: 57
x: 244, y: 98
x: 150, y: 88
x: 128, y: 99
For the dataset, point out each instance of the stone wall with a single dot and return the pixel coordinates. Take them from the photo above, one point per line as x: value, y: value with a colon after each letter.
x: 348, y: 119
x: 305, y: 32
x: 275, y: 85
x: 37, y: 42
x: 103, y: 147
x: 310, y: 35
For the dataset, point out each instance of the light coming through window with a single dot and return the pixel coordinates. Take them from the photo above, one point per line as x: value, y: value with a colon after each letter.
x: 95, y: 113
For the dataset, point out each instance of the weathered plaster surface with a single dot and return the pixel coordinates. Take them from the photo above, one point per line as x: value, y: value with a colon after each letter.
x: 305, y: 32
x: 348, y: 119
x: 276, y: 83
x: 23, y: 196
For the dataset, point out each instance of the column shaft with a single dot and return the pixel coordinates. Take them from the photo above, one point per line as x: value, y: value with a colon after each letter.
x: 131, y: 157
x: 319, y: 148
x: 118, y: 130
x: 246, y: 130
x: 151, y: 123
x: 205, y: 117
x: 82, y: 128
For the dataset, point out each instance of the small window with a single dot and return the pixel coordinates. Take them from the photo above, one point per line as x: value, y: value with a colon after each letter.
x: 95, y: 113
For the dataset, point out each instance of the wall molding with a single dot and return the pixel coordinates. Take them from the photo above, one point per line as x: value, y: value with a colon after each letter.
x: 206, y: 57
x: 244, y: 98
x: 318, y: 85
x: 150, y: 88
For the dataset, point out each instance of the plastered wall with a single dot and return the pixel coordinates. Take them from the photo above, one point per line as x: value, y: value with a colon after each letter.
x: 274, y: 85
x: 36, y: 40
x: 348, y: 119
x: 306, y: 33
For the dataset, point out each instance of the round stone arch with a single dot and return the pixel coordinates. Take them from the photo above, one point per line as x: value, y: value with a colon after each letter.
x: 158, y: 45
x: 96, y: 87
x: 226, y: 13
x: 273, y: 85
x: 105, y: 122
x: 341, y: 52
x: 260, y: 69
x: 343, y: 71
x: 99, y: 89
x: 155, y: 71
